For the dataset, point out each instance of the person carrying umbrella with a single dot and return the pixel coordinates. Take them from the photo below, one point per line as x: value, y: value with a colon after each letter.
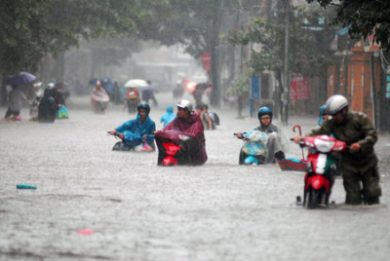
x: 16, y: 96
x: 15, y: 103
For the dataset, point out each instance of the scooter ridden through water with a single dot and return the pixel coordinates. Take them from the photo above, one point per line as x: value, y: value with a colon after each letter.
x: 122, y: 146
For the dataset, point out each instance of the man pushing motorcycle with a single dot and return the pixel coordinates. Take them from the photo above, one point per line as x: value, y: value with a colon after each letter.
x: 358, y: 164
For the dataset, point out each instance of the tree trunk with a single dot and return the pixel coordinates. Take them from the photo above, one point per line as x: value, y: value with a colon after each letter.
x: 215, y: 94
x: 278, y: 109
x: 3, y: 92
x: 60, y: 67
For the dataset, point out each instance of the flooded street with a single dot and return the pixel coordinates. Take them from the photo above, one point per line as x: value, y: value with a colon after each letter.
x: 95, y: 204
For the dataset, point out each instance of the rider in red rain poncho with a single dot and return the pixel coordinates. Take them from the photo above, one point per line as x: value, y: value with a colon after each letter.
x: 187, y: 131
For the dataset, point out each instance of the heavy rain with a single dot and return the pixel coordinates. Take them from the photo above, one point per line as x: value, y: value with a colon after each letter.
x: 194, y: 130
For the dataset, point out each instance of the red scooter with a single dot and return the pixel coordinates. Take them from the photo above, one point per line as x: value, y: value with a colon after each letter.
x: 320, y: 168
x: 171, y: 150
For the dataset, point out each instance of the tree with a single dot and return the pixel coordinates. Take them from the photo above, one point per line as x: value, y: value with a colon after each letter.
x: 31, y: 29
x: 309, y: 52
x: 363, y: 18
x: 197, y: 26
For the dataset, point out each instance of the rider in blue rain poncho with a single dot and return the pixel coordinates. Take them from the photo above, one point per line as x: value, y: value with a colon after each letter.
x: 139, y: 130
x: 168, y: 116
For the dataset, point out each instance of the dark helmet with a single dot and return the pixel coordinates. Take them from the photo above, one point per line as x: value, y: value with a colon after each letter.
x: 144, y: 106
x: 264, y: 110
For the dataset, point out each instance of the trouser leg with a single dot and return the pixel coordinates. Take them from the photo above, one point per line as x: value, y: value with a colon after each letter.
x: 371, y: 188
x: 351, y: 182
x: 274, y: 146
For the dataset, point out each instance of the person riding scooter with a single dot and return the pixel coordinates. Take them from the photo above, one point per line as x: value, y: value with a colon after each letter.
x: 99, y: 98
x: 136, y: 132
x: 132, y: 99
x: 267, y: 139
x: 187, y: 134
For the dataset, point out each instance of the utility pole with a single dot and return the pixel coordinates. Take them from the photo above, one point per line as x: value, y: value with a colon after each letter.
x: 286, y: 81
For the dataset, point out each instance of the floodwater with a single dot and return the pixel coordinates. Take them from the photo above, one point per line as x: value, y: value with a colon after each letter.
x: 95, y: 204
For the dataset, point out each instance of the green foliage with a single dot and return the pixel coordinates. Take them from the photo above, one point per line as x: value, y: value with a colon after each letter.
x: 240, y: 87
x: 363, y: 18
x: 112, y: 50
x: 307, y: 55
x: 31, y: 29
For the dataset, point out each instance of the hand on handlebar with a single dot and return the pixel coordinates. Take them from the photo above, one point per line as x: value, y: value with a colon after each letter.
x: 183, y: 137
x: 355, y: 147
x: 239, y: 135
x: 114, y: 133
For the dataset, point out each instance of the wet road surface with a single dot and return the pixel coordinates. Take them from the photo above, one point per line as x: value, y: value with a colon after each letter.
x: 95, y: 204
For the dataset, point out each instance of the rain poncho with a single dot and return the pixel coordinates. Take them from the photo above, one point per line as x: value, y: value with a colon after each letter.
x: 47, y: 107
x: 254, y: 149
x: 168, y: 116
x: 16, y: 98
x: 263, y: 142
x: 189, y: 134
x: 99, y: 99
x: 256, y: 143
x: 134, y: 131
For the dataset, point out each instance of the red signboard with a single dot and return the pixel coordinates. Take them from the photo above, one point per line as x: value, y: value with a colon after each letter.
x: 299, y: 88
x: 206, y: 61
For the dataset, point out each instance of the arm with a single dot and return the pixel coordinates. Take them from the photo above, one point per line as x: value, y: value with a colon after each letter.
x: 127, y: 130
x: 324, y: 129
x: 370, y: 134
x: 150, y: 132
x: 123, y: 127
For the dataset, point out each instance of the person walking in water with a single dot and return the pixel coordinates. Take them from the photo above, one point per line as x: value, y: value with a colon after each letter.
x: 359, y: 163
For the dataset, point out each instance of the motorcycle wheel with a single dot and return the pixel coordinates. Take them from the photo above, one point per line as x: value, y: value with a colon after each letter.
x: 312, y: 198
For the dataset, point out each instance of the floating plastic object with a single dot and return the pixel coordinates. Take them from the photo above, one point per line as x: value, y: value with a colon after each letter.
x: 26, y: 186
x: 85, y: 231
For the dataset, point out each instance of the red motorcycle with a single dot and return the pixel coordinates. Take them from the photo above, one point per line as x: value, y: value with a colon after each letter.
x: 170, y: 150
x: 320, y: 168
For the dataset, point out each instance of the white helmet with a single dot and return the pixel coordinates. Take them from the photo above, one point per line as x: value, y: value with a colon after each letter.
x: 185, y: 104
x: 336, y: 103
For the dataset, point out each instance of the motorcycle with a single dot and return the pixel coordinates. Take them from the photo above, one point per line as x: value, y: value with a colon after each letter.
x: 320, y: 166
x: 254, y: 151
x: 122, y: 146
x: 132, y: 99
x: 170, y: 151
x: 174, y: 153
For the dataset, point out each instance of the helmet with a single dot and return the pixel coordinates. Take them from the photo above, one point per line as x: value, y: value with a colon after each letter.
x: 144, y: 106
x: 264, y: 110
x: 50, y: 85
x: 185, y: 104
x: 335, y: 104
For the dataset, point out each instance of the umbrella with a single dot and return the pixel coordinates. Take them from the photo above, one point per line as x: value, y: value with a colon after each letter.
x: 21, y: 78
x: 137, y: 83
